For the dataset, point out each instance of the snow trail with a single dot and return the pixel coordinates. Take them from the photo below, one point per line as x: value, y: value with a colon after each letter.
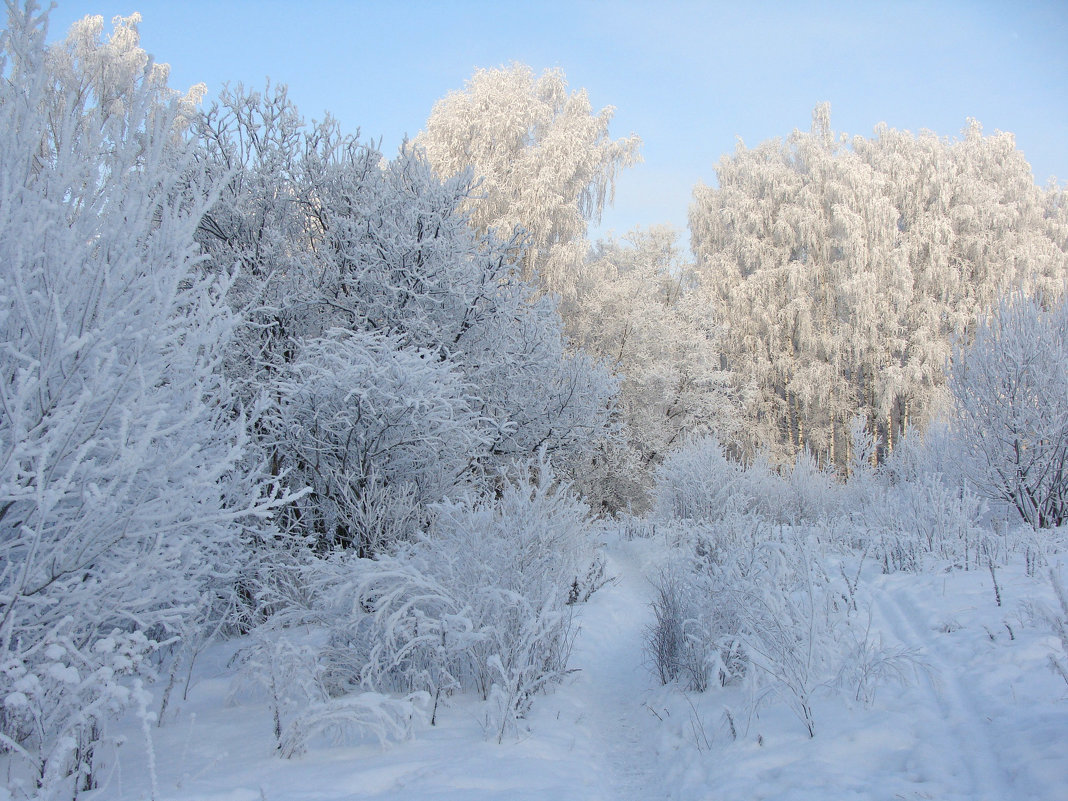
x: 960, y: 715
x: 616, y: 681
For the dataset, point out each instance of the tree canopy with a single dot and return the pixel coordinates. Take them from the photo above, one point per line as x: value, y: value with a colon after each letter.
x: 542, y: 159
x: 845, y: 268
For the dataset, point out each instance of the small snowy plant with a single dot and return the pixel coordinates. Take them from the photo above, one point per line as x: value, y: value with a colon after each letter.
x: 750, y: 601
x: 675, y: 655
x: 790, y: 622
x: 811, y: 492
x: 291, y: 677
x: 696, y: 638
x: 923, y: 518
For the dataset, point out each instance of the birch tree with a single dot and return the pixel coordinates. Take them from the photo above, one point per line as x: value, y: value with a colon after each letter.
x: 847, y: 267
x: 633, y: 307
x: 542, y: 158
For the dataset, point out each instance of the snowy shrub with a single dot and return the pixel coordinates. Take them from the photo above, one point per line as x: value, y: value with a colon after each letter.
x: 865, y: 482
x: 632, y: 528
x: 766, y: 489
x: 695, y: 637
x: 751, y: 602
x: 1058, y: 620
x: 122, y: 496
x: 615, y: 481
x: 790, y: 619
x: 479, y: 604
x: 290, y: 676
x: 698, y: 482
x: 342, y: 720
x: 811, y: 493
x: 909, y: 511
x: 674, y: 655
x: 927, y: 518
x: 286, y: 673
x: 769, y: 612
x: 934, y: 451
x: 692, y: 640
x: 58, y: 697
x: 377, y: 431
x: 866, y: 664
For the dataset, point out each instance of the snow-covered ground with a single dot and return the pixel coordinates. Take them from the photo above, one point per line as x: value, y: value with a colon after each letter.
x: 982, y: 717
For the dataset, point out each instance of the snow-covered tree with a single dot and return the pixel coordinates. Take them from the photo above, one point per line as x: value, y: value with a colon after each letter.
x: 543, y: 159
x: 121, y: 498
x: 330, y: 235
x: 1011, y: 391
x: 377, y: 431
x: 106, y: 73
x: 633, y: 308
x: 846, y: 268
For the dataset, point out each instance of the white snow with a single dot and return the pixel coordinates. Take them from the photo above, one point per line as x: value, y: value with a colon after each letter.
x: 984, y: 717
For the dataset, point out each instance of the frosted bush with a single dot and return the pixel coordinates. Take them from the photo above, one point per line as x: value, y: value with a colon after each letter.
x: 913, y: 521
x: 766, y: 489
x: 698, y: 482
x: 693, y: 641
x: 674, y: 655
x: 290, y: 676
x: 749, y: 601
x: 811, y: 493
x: 481, y: 603
x: 123, y: 494
x: 58, y: 697
x: 790, y: 620
x: 933, y: 451
x: 1058, y: 622
x: 344, y: 720
x: 696, y: 638
x: 376, y: 431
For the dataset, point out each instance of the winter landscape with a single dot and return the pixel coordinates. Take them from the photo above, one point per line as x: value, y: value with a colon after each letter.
x: 334, y: 473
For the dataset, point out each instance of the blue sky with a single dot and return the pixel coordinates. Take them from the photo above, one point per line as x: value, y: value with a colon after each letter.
x: 688, y: 77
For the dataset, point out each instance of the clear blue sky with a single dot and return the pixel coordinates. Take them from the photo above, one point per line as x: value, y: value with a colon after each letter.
x: 688, y: 77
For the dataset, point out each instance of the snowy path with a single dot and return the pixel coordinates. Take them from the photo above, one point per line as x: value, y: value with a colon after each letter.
x: 986, y: 721
x: 615, y: 682
x: 956, y: 709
